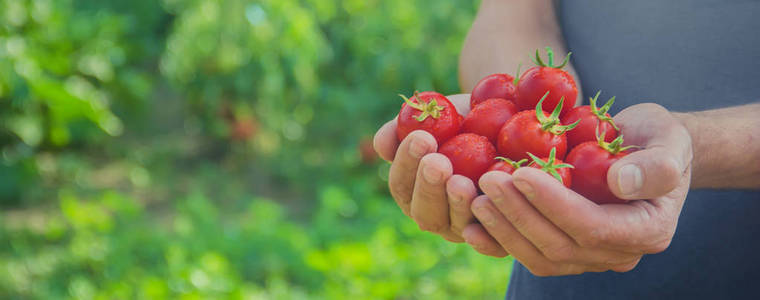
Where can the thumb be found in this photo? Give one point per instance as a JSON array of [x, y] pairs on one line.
[[647, 174], [657, 169]]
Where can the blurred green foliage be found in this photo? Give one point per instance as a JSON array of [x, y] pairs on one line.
[[218, 149]]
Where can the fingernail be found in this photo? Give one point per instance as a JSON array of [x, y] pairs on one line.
[[431, 175], [458, 199], [455, 199], [525, 188], [485, 217], [474, 246], [417, 148], [466, 237], [630, 179]]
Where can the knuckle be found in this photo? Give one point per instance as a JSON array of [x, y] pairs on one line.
[[399, 186], [620, 259], [518, 219], [561, 253], [401, 193], [491, 252], [508, 238], [659, 246], [540, 272], [573, 270], [452, 237], [606, 235], [434, 228], [626, 267], [457, 229], [623, 268], [652, 106], [589, 241], [543, 270], [598, 269]]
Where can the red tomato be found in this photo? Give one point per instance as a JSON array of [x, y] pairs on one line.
[[470, 154], [493, 86], [434, 114], [507, 165], [592, 160], [553, 166], [594, 121], [486, 118], [543, 78], [533, 131]]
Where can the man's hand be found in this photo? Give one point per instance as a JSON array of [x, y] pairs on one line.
[[422, 184], [554, 231]]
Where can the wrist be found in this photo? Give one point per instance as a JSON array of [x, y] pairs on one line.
[[690, 121], [725, 147]]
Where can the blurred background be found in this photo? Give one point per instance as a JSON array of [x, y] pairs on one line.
[[202, 149]]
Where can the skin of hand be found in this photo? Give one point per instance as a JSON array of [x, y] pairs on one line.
[[554, 231], [503, 34], [421, 182]]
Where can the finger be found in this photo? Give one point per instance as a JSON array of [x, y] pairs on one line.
[[479, 239], [575, 215], [403, 170], [645, 226], [647, 174], [451, 236], [547, 237], [629, 228], [460, 191], [657, 169], [461, 102], [627, 266], [430, 207], [544, 235], [515, 243], [386, 141]]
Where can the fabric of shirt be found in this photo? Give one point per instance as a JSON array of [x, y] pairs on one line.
[[686, 56]]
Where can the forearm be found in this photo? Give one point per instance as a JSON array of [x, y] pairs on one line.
[[726, 146], [504, 35]]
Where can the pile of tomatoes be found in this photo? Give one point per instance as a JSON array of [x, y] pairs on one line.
[[514, 120]]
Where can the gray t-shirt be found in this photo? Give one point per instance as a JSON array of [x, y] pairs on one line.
[[687, 56]]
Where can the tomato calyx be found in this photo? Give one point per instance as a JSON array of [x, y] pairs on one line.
[[515, 164], [613, 147], [430, 109], [552, 123], [550, 55], [601, 112], [548, 166], [517, 75]]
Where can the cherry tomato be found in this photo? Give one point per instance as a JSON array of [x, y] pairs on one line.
[[470, 154], [507, 165], [592, 160], [593, 121], [533, 131], [493, 86], [544, 78], [486, 118], [553, 166], [429, 111]]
